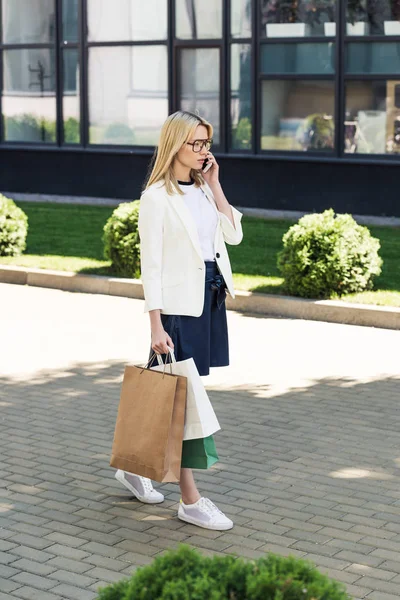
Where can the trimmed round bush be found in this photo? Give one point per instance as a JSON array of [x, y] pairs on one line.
[[119, 133], [184, 574], [327, 256], [13, 228], [121, 240]]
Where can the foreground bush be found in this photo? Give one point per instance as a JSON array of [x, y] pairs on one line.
[[186, 575], [121, 240], [13, 228], [325, 256]]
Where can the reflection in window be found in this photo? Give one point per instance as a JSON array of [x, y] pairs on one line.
[[200, 84], [380, 17], [241, 96], [303, 58], [240, 18], [70, 20], [297, 18], [297, 115], [372, 124], [127, 20], [29, 104], [71, 99], [196, 21], [128, 102], [28, 21]]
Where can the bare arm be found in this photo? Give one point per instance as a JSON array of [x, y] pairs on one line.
[[159, 337]]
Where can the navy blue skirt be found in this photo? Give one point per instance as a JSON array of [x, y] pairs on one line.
[[204, 338]]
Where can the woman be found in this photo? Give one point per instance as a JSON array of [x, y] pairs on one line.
[[184, 222]]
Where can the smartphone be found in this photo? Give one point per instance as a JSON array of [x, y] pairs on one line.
[[206, 166]]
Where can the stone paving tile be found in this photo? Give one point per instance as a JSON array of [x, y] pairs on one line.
[[307, 453]]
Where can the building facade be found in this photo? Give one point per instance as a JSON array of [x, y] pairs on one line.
[[304, 96]]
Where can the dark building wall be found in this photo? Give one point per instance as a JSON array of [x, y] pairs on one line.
[[281, 184]]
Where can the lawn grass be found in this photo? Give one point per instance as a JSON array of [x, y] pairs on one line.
[[67, 237]]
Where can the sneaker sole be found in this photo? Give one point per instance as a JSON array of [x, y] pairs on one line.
[[203, 526], [129, 487]]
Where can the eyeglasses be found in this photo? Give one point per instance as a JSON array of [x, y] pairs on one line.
[[198, 145]]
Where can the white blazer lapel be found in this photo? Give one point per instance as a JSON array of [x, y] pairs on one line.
[[184, 214]]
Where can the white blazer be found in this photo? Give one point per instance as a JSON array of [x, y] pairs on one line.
[[172, 265]]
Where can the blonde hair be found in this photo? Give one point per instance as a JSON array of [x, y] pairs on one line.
[[176, 131]]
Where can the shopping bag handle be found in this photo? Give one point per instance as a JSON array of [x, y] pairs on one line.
[[170, 354], [160, 361]]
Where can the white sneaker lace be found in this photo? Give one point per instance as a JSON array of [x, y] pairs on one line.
[[210, 508], [147, 485]]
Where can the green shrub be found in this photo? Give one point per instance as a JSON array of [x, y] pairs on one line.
[[29, 128], [186, 575], [71, 131], [242, 134], [118, 133], [326, 256], [13, 228], [121, 240]]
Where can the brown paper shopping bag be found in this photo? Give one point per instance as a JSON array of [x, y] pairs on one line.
[[150, 424]]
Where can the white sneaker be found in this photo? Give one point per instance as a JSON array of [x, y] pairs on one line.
[[205, 514], [141, 487]]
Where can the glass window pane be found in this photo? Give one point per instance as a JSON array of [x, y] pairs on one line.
[[29, 99], [240, 18], [28, 21], [241, 96], [377, 17], [298, 58], [71, 98], [375, 57], [297, 18], [127, 20], [197, 21], [298, 115], [372, 124], [128, 101], [200, 84], [70, 20]]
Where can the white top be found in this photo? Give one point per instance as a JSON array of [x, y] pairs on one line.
[[204, 215]]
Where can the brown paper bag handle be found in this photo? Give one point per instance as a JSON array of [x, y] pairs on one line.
[[151, 360]]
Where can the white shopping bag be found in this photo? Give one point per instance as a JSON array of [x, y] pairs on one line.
[[200, 420]]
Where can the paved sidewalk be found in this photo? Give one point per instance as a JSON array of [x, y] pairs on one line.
[[309, 448]]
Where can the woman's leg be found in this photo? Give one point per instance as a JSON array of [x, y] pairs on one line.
[[190, 493]]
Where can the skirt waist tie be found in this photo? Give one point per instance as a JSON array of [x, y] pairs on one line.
[[217, 283]]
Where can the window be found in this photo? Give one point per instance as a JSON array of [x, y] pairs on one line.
[[272, 76], [200, 84], [29, 73], [298, 76], [126, 20], [380, 17], [71, 96], [196, 20], [241, 18], [241, 101], [128, 102], [298, 115], [297, 18], [127, 71], [373, 57], [298, 58], [28, 21]]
